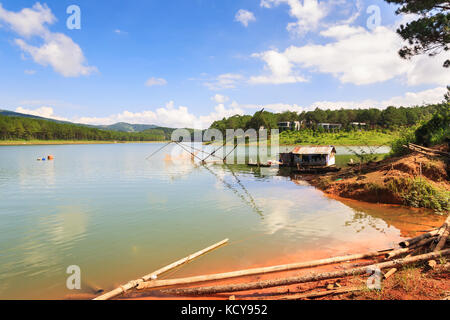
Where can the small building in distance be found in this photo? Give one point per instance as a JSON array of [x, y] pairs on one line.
[[289, 125], [358, 124], [309, 156]]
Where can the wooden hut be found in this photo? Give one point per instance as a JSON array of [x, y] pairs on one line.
[[310, 157]]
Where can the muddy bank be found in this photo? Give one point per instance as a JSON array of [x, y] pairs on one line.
[[415, 180]]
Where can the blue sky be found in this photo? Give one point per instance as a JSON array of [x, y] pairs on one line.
[[189, 62]]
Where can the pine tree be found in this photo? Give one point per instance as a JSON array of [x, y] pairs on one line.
[[430, 33]]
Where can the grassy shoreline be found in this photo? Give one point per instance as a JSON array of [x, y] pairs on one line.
[[66, 142]]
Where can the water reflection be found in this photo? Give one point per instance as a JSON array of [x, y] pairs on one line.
[[119, 216]]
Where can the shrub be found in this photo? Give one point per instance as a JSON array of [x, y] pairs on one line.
[[407, 136], [419, 193]]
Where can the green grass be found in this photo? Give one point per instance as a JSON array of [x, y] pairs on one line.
[[343, 160], [342, 138]]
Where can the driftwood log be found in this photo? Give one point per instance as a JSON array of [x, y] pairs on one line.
[[134, 283], [151, 285], [303, 279]]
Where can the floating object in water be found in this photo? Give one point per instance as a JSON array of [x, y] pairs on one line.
[[43, 159], [50, 157]]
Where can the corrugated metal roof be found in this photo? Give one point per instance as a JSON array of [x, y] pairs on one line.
[[314, 150]]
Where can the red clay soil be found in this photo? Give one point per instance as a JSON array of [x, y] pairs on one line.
[[368, 182], [409, 283]]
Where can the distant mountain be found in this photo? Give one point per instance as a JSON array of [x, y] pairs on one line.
[[128, 127], [120, 126], [23, 115]]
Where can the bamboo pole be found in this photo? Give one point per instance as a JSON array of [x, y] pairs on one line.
[[313, 294], [396, 253], [430, 150], [411, 248], [134, 283], [410, 242], [256, 271], [443, 238], [390, 273], [303, 279]]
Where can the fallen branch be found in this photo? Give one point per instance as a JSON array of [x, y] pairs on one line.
[[134, 283], [303, 279], [256, 271]]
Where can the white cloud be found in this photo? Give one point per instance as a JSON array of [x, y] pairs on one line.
[[45, 112], [167, 116], [223, 81], [409, 99], [358, 56], [244, 17], [30, 72], [280, 68], [220, 112], [28, 22], [308, 13], [341, 31], [58, 50], [155, 82], [220, 98]]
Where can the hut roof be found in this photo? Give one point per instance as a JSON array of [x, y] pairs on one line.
[[314, 150]]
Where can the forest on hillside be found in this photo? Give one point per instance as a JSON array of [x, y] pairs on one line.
[[389, 118], [20, 128]]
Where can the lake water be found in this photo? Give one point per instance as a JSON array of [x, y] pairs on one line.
[[118, 216]]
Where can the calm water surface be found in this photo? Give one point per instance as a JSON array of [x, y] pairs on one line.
[[119, 216]]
